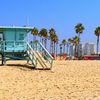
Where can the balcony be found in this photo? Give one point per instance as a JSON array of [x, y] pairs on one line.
[[13, 46]]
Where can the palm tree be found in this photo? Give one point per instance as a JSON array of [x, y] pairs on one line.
[[57, 48], [67, 46], [35, 32], [97, 33], [60, 45], [79, 28], [70, 42], [76, 41], [54, 38], [51, 33], [64, 44], [44, 34]]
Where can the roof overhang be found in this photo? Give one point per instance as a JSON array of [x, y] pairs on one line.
[[7, 28]]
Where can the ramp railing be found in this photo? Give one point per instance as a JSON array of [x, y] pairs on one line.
[[43, 53], [31, 55]]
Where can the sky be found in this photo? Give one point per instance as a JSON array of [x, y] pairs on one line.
[[62, 15]]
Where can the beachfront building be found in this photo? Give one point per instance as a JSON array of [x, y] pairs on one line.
[[71, 50], [88, 48], [14, 45], [83, 49], [92, 48]]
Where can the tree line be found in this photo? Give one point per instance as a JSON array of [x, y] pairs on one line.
[[51, 35]]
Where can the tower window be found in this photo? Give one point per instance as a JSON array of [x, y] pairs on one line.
[[21, 36]]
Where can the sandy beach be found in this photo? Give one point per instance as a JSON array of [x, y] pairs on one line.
[[68, 80]]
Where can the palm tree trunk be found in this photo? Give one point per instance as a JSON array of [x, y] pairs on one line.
[[56, 48], [45, 43], [60, 51], [78, 50], [67, 49], [34, 37], [79, 35], [97, 44], [51, 46], [64, 50], [42, 40], [75, 52]]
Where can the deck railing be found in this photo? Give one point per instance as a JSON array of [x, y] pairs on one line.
[[12, 46]]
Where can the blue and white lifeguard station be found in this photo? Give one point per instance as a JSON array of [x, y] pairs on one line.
[[14, 45]]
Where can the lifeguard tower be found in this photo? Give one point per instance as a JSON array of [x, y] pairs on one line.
[[14, 45]]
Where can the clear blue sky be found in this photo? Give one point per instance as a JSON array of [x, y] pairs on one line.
[[62, 15]]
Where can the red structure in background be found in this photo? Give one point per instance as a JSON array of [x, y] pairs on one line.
[[53, 55], [60, 57], [91, 57], [87, 57]]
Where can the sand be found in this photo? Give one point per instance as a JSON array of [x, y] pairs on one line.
[[68, 80]]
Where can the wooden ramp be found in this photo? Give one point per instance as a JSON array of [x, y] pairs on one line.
[[39, 59]]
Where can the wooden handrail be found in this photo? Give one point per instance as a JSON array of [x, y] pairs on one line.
[[37, 44]]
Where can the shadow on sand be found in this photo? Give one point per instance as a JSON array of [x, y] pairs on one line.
[[25, 67]]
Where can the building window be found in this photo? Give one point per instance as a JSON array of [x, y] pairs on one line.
[[21, 36]]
